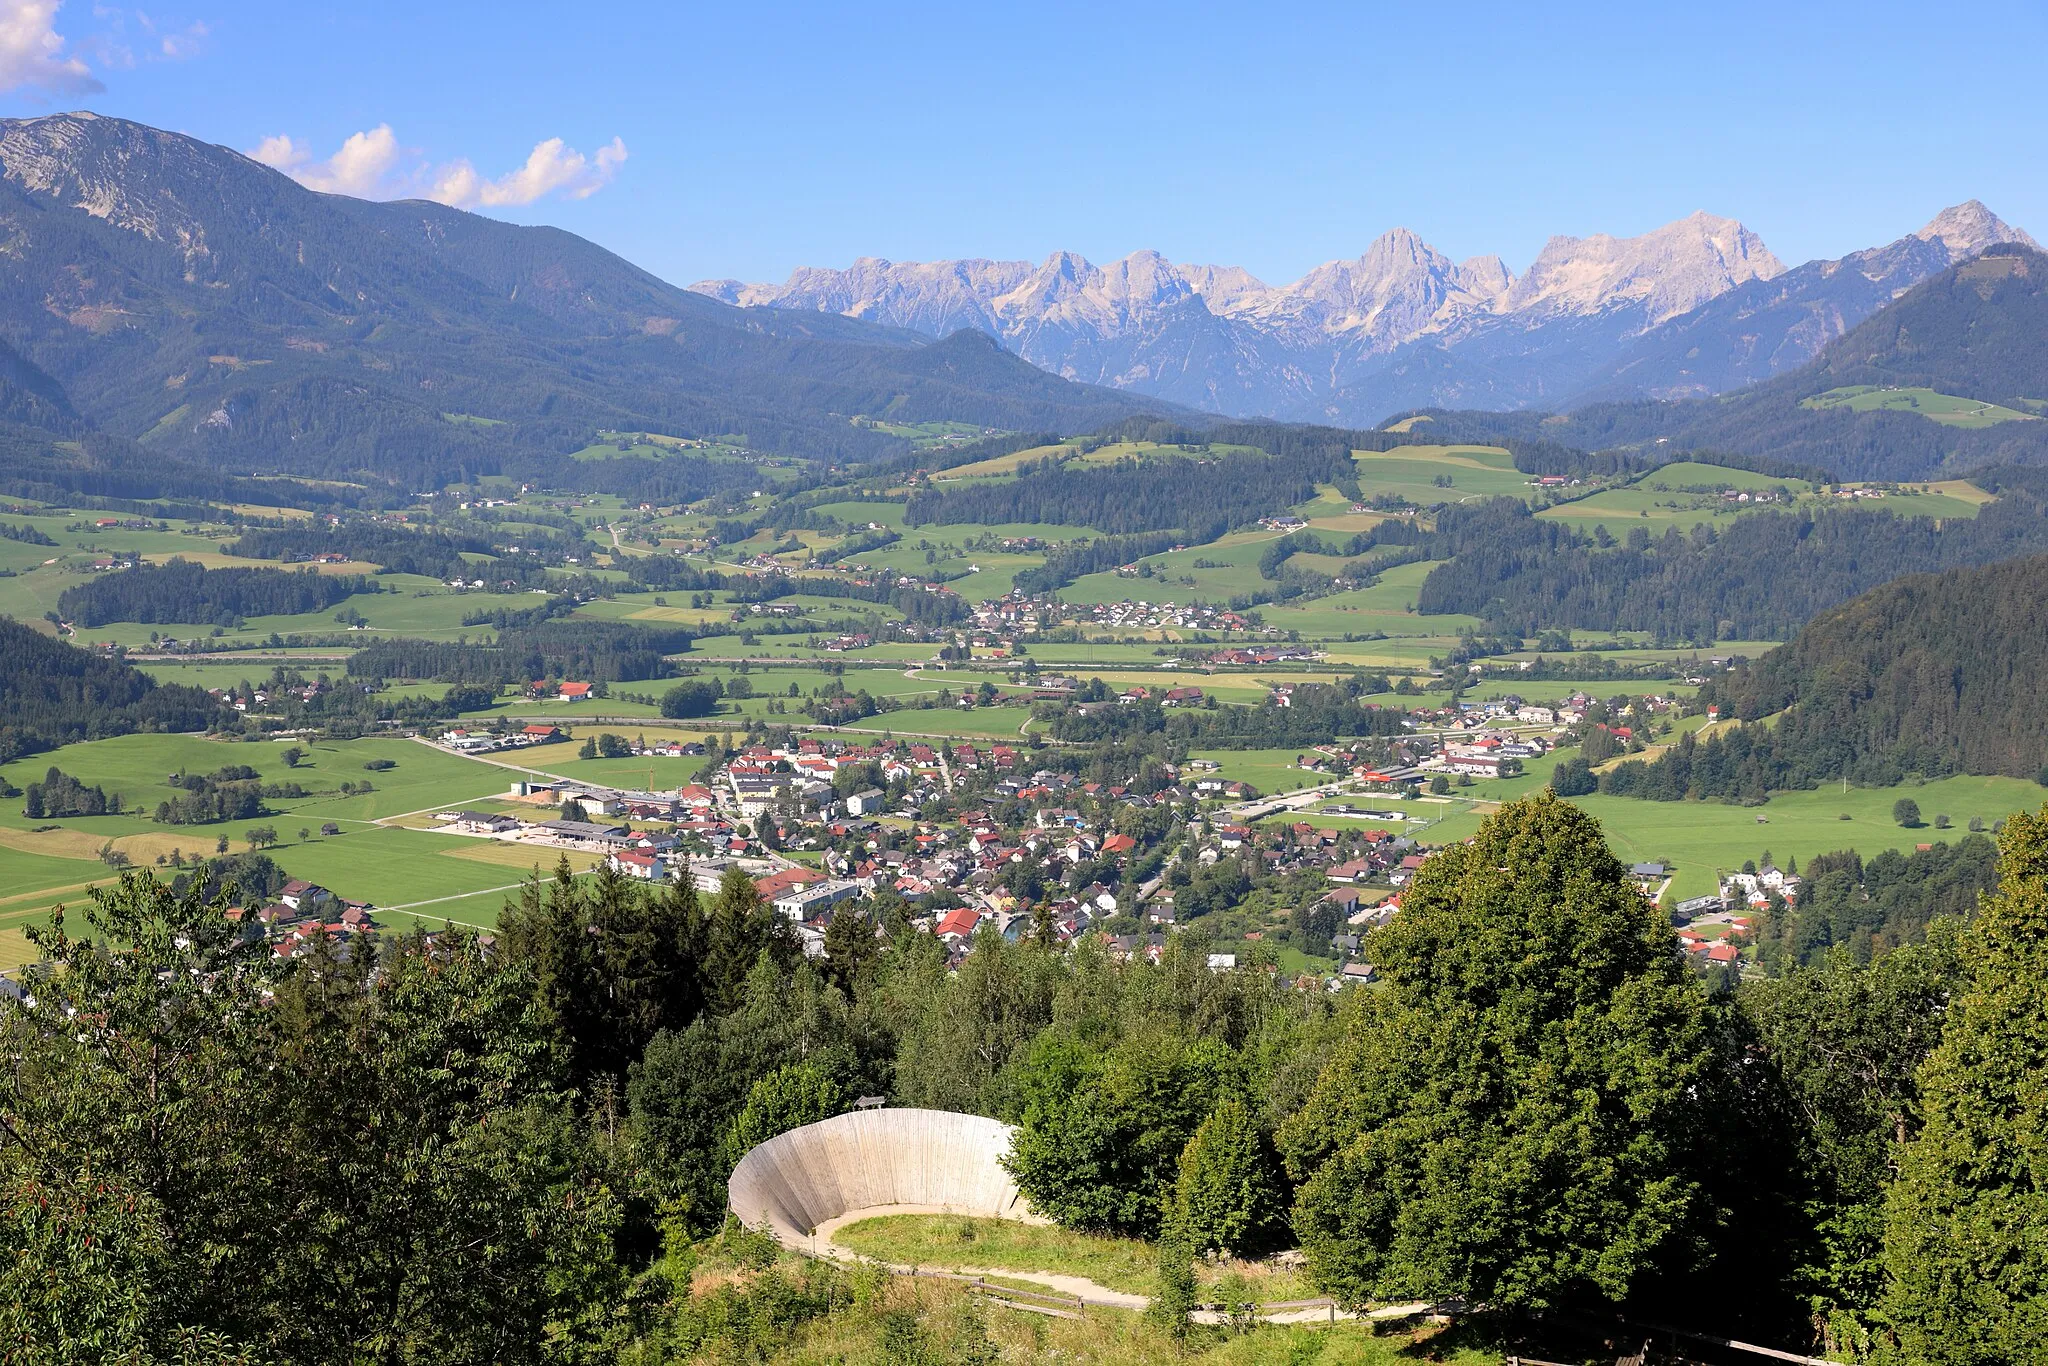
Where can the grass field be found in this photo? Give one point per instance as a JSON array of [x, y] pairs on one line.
[[1700, 838], [1269, 770], [1684, 474], [1216, 572], [1411, 472], [43, 861], [1621, 509], [982, 723], [1949, 410], [1387, 606], [1125, 1264], [1949, 498]]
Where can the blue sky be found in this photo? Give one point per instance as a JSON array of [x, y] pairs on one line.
[[744, 140]]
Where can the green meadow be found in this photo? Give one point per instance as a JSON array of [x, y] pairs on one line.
[[58, 858], [981, 723], [1951, 410], [1412, 472], [1702, 839]]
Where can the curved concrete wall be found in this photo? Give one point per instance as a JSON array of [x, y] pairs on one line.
[[796, 1181]]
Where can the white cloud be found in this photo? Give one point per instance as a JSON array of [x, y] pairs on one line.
[[367, 166], [32, 55], [361, 168], [113, 46], [553, 167], [186, 43]]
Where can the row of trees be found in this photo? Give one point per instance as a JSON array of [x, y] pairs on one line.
[[1317, 714], [605, 651], [182, 591]]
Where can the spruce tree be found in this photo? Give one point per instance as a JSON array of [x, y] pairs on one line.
[[1964, 1245]]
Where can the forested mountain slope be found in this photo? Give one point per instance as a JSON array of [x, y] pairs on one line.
[[1931, 674], [1761, 577], [212, 308], [52, 694]]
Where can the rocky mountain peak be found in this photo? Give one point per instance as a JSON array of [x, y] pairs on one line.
[[1667, 271], [1969, 227]]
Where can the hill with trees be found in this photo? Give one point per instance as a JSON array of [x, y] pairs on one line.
[[1763, 576], [52, 694], [1931, 674]]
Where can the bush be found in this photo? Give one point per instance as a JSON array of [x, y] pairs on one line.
[[1227, 1197], [1906, 812]]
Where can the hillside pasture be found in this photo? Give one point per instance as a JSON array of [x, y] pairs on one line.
[[1411, 472], [1950, 410]]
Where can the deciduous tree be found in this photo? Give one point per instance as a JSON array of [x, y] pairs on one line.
[[1512, 1117]]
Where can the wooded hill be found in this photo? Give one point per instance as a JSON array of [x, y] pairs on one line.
[[52, 694], [1931, 674], [1761, 577]]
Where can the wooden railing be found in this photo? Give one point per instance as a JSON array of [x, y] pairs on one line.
[[1052, 1302]]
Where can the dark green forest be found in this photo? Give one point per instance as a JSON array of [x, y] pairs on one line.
[[1929, 675], [54, 694], [1762, 577], [183, 592], [1202, 496]]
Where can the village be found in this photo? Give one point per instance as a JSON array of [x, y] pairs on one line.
[[958, 838]]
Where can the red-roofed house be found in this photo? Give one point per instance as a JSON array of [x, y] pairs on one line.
[[955, 926], [789, 879], [574, 692], [633, 863]]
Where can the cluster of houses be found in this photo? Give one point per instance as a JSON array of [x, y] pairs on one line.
[[1266, 654], [303, 913], [954, 870]]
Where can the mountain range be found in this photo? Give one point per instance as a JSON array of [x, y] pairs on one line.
[[180, 297], [1696, 307]]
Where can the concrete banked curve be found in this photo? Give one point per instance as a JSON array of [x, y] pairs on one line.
[[868, 1159]]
